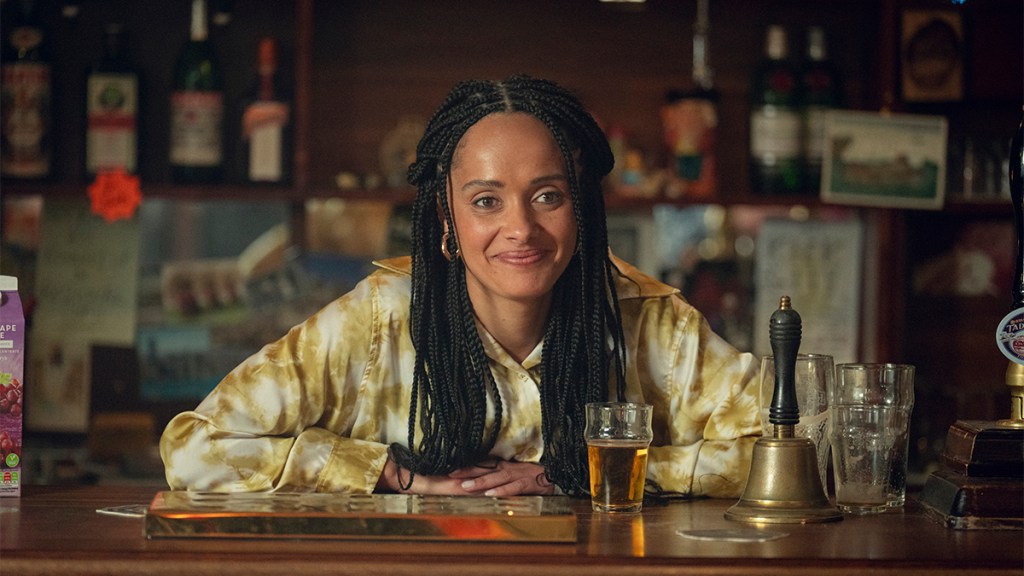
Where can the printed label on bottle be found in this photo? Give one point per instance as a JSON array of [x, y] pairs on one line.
[[25, 131], [814, 143], [774, 133], [196, 120], [263, 127], [111, 138]]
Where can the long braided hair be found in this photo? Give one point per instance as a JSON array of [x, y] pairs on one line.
[[452, 379]]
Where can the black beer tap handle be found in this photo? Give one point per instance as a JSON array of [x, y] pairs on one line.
[[1017, 199], [784, 329]]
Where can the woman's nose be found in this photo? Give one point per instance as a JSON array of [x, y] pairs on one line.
[[521, 222]]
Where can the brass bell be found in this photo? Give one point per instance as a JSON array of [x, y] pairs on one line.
[[784, 486]]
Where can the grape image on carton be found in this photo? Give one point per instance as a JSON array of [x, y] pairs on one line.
[[12, 374]]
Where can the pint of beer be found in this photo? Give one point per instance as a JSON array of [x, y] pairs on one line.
[[618, 435]]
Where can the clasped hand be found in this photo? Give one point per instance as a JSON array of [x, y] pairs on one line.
[[491, 478]]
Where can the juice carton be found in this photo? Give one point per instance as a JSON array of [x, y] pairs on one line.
[[12, 374]]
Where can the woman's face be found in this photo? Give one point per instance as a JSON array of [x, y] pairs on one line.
[[512, 209]]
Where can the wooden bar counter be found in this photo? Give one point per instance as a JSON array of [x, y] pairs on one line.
[[56, 531]]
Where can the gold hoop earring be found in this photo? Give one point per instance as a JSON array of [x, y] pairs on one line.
[[444, 247]]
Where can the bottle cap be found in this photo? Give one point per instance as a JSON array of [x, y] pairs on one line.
[[775, 43], [816, 49]]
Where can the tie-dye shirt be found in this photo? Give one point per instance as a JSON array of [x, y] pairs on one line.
[[317, 409]]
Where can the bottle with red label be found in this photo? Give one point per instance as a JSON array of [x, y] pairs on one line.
[[25, 86], [197, 108], [265, 124], [112, 109]]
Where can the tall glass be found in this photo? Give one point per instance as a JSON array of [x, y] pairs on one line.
[[815, 378], [870, 432], [618, 436]]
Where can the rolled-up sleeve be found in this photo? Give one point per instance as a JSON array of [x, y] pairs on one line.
[[283, 419], [704, 393]]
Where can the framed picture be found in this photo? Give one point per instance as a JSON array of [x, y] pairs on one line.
[[932, 56], [818, 263], [883, 159]]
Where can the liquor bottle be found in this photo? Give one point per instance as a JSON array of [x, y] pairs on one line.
[[197, 108], [820, 92], [265, 124], [112, 109], [25, 81], [689, 120], [775, 121]]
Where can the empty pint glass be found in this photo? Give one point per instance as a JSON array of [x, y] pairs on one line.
[[869, 426], [618, 435]]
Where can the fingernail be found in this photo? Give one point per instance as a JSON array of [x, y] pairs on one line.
[[468, 484], [489, 493]]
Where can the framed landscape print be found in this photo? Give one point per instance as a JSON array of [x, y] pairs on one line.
[[883, 159]]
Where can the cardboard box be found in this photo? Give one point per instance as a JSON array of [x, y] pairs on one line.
[[12, 375]]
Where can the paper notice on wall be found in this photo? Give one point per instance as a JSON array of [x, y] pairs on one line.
[[87, 272], [86, 293], [58, 393], [818, 265]]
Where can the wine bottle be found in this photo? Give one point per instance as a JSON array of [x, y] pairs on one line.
[[112, 109], [775, 120], [265, 129], [819, 90], [197, 108], [25, 83]]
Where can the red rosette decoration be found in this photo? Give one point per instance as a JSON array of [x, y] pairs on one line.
[[115, 195]]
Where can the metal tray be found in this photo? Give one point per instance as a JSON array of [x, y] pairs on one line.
[[182, 514]]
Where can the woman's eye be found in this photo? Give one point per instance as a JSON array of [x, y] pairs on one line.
[[485, 202], [550, 196]]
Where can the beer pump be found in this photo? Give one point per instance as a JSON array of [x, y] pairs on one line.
[[982, 483], [784, 486]]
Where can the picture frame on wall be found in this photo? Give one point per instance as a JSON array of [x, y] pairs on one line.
[[884, 159], [932, 56]]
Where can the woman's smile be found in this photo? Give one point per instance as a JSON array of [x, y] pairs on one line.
[[521, 258]]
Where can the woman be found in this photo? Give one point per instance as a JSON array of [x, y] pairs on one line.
[[465, 371]]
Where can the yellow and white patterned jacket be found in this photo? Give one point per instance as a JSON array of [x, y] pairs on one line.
[[317, 409]]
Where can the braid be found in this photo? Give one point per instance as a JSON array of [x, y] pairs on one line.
[[452, 383]]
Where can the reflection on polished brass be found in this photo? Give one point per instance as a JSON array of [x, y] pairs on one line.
[[784, 486], [1015, 381], [376, 516]]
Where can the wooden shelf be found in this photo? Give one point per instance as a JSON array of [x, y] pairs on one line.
[[194, 192]]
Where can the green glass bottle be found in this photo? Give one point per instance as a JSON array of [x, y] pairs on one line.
[[820, 92], [197, 108], [775, 121]]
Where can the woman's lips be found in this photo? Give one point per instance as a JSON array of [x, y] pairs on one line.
[[520, 257]]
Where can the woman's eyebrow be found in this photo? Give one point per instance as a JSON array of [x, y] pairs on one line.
[[549, 178], [480, 183], [483, 183]]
